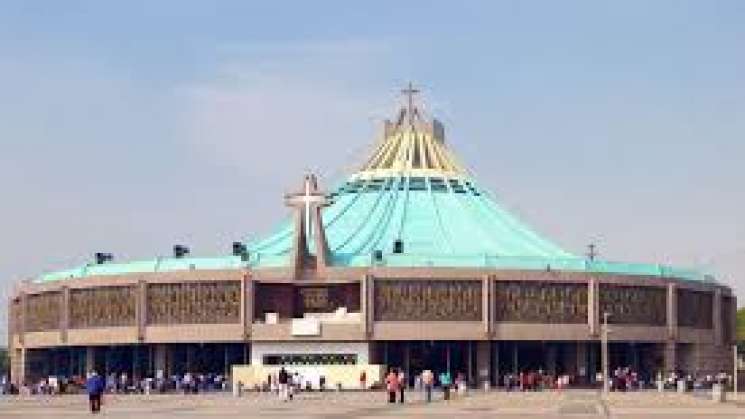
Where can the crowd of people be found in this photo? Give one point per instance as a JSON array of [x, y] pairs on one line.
[[121, 383]]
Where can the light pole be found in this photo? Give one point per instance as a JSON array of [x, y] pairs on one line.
[[734, 377], [604, 353]]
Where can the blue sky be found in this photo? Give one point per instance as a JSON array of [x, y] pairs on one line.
[[132, 126]]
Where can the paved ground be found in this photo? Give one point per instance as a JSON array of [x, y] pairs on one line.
[[570, 404]]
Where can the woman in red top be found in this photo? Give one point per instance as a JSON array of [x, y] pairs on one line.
[[391, 384]]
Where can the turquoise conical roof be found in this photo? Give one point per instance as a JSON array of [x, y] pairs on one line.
[[414, 190], [411, 189]]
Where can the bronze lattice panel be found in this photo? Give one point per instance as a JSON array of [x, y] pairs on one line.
[[633, 304], [427, 300], [103, 307], [43, 311], [540, 302], [695, 309], [194, 302]]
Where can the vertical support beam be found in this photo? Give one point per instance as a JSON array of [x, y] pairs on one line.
[[364, 305], [669, 356], [407, 363], [670, 349], [248, 295], [90, 360], [593, 306], [159, 363], [371, 305], [582, 370], [716, 317], [24, 317], [447, 356], [64, 314], [672, 311], [492, 302], [471, 376], [485, 306], [514, 358], [550, 357], [319, 233], [18, 366], [496, 367], [483, 362], [141, 309]]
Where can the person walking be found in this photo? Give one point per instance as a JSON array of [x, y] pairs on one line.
[[94, 386], [391, 384], [401, 385], [428, 379], [282, 378], [445, 382]]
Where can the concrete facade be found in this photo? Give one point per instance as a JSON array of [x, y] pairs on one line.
[[686, 348]]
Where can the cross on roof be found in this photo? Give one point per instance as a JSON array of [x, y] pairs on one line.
[[409, 91], [310, 197]]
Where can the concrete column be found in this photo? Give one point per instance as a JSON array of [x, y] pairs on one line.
[[141, 309], [160, 361], [492, 311], [90, 360], [364, 284], [371, 305], [469, 360], [64, 314], [496, 369], [515, 360], [670, 356], [550, 358], [669, 351], [407, 361], [18, 366], [582, 368], [593, 306], [189, 356], [483, 362], [24, 314], [485, 306], [447, 356], [716, 317], [672, 311], [248, 295]]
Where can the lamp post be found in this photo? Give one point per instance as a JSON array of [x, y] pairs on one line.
[[604, 353], [734, 377]]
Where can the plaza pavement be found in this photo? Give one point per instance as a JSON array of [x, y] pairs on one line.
[[478, 404]]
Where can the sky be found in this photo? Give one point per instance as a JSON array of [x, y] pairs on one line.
[[128, 127]]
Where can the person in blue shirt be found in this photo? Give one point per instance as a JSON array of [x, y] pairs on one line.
[[445, 382], [94, 387]]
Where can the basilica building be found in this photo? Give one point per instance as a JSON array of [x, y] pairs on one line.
[[409, 262]]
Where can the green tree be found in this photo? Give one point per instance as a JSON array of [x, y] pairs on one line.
[[741, 329]]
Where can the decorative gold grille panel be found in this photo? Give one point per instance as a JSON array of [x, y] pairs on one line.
[[103, 307], [194, 302], [633, 305], [540, 302], [426, 300], [43, 311]]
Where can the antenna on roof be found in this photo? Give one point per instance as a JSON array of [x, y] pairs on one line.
[[592, 251]]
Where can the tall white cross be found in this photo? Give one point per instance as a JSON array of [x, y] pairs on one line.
[[310, 197]]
